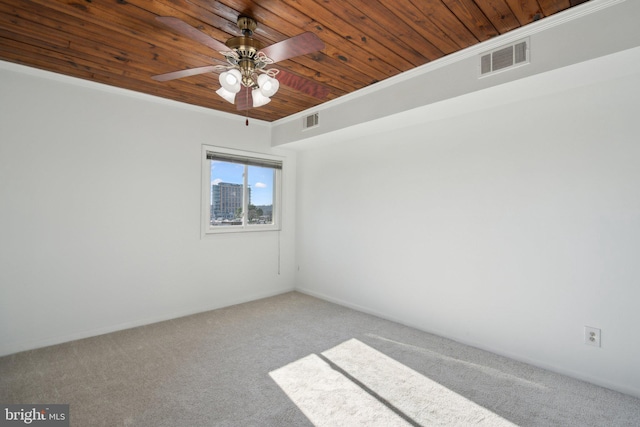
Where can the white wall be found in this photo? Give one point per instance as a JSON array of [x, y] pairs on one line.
[[509, 228], [100, 212]]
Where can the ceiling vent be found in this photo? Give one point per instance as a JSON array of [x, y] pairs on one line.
[[504, 58], [310, 121]]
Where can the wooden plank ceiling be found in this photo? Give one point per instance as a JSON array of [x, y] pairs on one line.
[[120, 42]]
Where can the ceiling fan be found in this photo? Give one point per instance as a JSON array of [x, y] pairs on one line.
[[246, 74]]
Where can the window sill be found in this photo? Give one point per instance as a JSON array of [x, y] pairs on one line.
[[232, 229]]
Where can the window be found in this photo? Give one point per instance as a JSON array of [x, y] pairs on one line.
[[241, 191]]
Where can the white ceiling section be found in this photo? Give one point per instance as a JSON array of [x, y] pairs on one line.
[[565, 52]]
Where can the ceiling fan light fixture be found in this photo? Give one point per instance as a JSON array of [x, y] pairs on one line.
[[258, 98], [247, 61], [228, 96], [230, 80], [268, 85]]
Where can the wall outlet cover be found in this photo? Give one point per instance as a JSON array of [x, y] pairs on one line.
[[592, 336]]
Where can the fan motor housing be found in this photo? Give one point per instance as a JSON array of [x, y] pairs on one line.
[[245, 46]]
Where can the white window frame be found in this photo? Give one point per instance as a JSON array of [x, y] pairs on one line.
[[207, 228]]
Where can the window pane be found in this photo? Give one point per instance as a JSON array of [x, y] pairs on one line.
[[261, 196], [226, 193]]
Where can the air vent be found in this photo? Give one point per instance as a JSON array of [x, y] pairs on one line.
[[310, 121], [504, 57]]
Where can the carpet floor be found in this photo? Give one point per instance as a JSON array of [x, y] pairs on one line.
[[294, 360]]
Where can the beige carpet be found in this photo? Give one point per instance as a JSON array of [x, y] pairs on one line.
[[293, 360]]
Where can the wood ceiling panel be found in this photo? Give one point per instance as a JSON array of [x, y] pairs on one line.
[[403, 55], [442, 17], [405, 35], [499, 14], [415, 19], [472, 17], [525, 11], [550, 7], [120, 42]]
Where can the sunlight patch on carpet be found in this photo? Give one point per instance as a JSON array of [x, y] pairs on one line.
[[375, 390], [328, 398], [420, 398]]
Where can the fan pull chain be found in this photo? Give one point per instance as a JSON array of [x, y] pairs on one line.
[[246, 123]]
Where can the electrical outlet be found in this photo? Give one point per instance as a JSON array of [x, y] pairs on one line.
[[592, 336]]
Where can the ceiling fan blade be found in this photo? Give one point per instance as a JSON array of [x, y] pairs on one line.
[[184, 73], [302, 84], [185, 29], [244, 99], [295, 46]]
